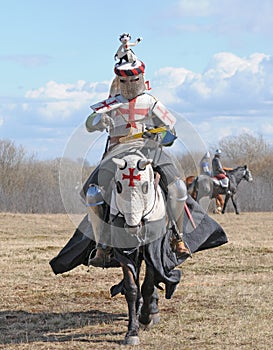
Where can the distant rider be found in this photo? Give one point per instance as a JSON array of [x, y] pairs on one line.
[[218, 171], [205, 165]]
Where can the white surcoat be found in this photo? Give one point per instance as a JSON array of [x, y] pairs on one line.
[[134, 116]]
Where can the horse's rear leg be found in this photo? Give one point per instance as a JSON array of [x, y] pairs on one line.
[[225, 203], [219, 203], [131, 295]]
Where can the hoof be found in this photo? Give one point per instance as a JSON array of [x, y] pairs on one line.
[[131, 340], [147, 326], [217, 210], [154, 319]]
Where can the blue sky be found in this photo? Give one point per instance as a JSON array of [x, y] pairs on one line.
[[210, 60]]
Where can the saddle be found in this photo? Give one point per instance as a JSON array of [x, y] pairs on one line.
[[221, 180]]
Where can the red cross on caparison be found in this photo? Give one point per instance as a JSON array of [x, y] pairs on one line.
[[131, 177]]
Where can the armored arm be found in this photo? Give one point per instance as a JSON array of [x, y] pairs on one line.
[[98, 122], [220, 168], [167, 119], [165, 116]]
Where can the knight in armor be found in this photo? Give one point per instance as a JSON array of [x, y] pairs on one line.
[[205, 165], [127, 112], [217, 170]]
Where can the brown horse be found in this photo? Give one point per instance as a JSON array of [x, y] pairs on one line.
[[219, 198]]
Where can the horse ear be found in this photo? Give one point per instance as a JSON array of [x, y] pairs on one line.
[[141, 165], [121, 163]]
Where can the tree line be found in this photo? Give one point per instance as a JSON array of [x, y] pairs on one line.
[[29, 185]]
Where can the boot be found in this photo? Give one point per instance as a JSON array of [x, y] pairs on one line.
[[101, 258], [181, 249]]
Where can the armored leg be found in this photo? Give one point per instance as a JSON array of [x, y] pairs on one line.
[[98, 213], [177, 194]]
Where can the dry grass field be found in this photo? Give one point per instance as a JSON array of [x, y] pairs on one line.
[[224, 300]]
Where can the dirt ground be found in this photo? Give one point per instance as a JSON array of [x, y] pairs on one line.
[[224, 300]]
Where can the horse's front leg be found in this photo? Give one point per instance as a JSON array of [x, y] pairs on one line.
[[149, 312], [139, 301], [131, 295], [225, 203], [234, 202]]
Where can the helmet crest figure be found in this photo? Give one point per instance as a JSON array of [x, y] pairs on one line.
[[124, 52]]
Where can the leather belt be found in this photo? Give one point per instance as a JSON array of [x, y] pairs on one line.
[[114, 140]]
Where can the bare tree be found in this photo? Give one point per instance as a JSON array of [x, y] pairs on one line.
[[11, 157], [244, 149]]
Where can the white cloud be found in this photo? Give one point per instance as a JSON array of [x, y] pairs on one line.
[[166, 81], [267, 128], [229, 83], [233, 95], [57, 100]]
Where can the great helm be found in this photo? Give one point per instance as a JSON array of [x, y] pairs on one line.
[[218, 152], [131, 78]]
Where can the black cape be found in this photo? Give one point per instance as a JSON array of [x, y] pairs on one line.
[[205, 233]]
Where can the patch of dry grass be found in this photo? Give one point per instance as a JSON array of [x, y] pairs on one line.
[[224, 300]]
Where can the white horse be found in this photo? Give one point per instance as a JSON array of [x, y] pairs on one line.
[[138, 203]]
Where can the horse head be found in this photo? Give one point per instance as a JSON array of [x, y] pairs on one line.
[[247, 174], [134, 191]]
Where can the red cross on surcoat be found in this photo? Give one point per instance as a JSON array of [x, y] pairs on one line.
[[132, 112], [131, 177], [164, 112], [107, 105]]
